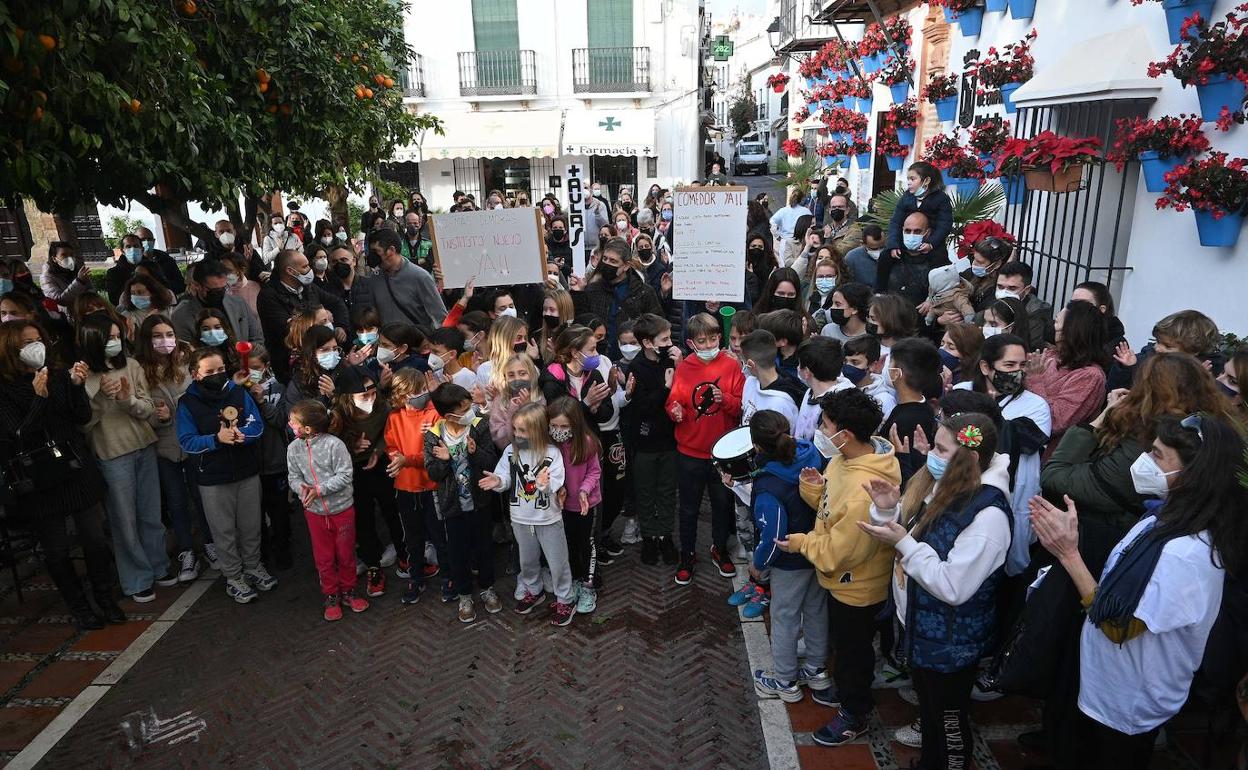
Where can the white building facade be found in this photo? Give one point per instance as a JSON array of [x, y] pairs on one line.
[[1091, 60], [527, 88]]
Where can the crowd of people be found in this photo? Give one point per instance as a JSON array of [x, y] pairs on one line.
[[935, 459]]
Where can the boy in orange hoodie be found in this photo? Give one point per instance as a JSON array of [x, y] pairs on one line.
[[704, 403], [411, 415]]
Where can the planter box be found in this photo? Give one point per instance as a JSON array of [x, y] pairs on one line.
[[895, 162], [1155, 168], [866, 105], [906, 136], [1022, 9], [971, 21], [900, 92], [1218, 233], [1177, 12], [996, 6], [1221, 91], [863, 161], [947, 108], [1067, 180]]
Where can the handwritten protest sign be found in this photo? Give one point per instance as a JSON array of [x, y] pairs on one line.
[[499, 247], [576, 216], [709, 259]]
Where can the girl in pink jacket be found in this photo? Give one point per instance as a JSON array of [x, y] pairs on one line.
[[582, 493]]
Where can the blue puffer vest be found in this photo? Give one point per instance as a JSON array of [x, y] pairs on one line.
[[801, 517], [942, 637], [224, 464]]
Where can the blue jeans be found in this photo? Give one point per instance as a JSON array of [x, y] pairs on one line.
[[175, 486], [134, 518]]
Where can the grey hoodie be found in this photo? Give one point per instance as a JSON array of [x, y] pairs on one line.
[[322, 462]]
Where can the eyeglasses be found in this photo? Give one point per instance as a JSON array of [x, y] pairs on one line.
[[1193, 422]]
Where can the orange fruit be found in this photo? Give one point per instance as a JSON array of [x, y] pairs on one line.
[[48, 42], [271, 109], [389, 82], [368, 93], [359, 92], [264, 86], [263, 76], [355, 58], [189, 7], [135, 106]]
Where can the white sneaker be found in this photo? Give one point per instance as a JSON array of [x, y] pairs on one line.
[[210, 556], [188, 567], [585, 599], [360, 567], [909, 695], [389, 556], [431, 554], [911, 735], [981, 692], [632, 531]]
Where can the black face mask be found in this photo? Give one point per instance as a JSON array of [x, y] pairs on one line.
[[608, 273], [837, 215], [214, 297], [627, 207], [783, 303], [837, 316], [373, 259], [601, 347], [644, 254], [520, 347], [341, 270], [558, 235], [551, 321], [412, 231], [214, 384], [1007, 383], [873, 329]]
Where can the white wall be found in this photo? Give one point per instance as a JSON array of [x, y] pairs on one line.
[[1171, 270]]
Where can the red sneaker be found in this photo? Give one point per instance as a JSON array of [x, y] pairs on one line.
[[332, 610], [430, 571], [376, 582], [353, 602], [684, 572], [723, 562], [403, 569]]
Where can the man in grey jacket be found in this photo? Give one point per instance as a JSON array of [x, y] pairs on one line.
[[401, 292], [207, 288]]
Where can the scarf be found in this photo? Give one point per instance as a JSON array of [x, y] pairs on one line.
[[1120, 590]]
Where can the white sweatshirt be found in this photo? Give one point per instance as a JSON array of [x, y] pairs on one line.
[[531, 504]]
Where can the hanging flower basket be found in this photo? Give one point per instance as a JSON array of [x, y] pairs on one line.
[[971, 21], [866, 105], [1022, 9], [900, 92], [1068, 179], [1160, 145], [778, 82], [1155, 167], [1214, 59], [906, 136], [895, 162], [1216, 189], [863, 161], [947, 109], [1053, 163], [1006, 71], [1218, 92], [793, 148], [1177, 12]]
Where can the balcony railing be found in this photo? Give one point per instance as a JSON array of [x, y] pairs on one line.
[[797, 32], [413, 78], [610, 70], [497, 73]]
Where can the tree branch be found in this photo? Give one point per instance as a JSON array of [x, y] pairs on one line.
[[174, 215]]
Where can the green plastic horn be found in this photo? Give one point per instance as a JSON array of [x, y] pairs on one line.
[[727, 312]]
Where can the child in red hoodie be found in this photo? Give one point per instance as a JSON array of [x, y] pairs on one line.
[[704, 403], [410, 416]]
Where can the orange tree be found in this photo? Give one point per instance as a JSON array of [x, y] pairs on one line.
[[216, 101]]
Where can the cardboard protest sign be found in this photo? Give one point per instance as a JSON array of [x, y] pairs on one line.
[[709, 259], [499, 247]]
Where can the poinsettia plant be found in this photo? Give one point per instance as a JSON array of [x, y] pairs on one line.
[[1009, 159], [988, 136], [777, 82], [1014, 65], [1047, 150], [841, 119], [900, 70], [1168, 136], [1213, 184], [793, 148], [904, 115], [1210, 49], [976, 231], [940, 87]]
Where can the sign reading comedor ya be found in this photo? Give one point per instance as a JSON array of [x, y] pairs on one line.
[[709, 259]]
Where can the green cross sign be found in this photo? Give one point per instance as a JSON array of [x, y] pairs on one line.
[[721, 48], [610, 123]]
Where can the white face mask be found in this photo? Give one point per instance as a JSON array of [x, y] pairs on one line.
[[255, 375], [327, 239], [1006, 294], [384, 355], [1148, 479], [279, 227], [826, 446], [305, 279], [66, 262], [320, 264], [436, 363], [112, 348], [365, 405], [991, 331], [33, 355], [509, 312], [707, 355], [874, 253], [226, 239], [629, 351]]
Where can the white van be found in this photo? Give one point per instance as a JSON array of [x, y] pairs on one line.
[[750, 156]]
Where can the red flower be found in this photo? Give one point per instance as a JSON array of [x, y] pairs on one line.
[[1017, 66], [1166, 136], [940, 87], [978, 230], [793, 148], [1211, 184]]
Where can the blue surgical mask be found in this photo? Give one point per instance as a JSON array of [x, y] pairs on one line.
[[919, 193], [212, 336], [140, 302], [134, 254], [6, 286], [936, 465], [667, 216], [979, 272], [825, 285], [328, 360], [912, 241], [853, 373], [589, 363], [368, 338]]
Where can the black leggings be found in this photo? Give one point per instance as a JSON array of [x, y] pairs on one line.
[[943, 703], [615, 486], [582, 553], [374, 489]]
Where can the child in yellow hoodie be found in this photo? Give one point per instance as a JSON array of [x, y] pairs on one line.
[[853, 566]]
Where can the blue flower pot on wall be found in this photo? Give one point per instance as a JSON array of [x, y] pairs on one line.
[[971, 21], [1221, 91], [840, 136], [900, 92], [842, 161], [987, 162], [863, 160], [996, 6], [1015, 189], [1156, 167], [1007, 97], [829, 160], [950, 16], [906, 136], [895, 162], [964, 187], [1022, 9], [1177, 12], [1222, 232], [947, 108]]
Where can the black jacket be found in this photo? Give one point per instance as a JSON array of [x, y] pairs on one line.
[[276, 304], [907, 276], [939, 210], [598, 298], [554, 384], [116, 277], [443, 471], [647, 428]]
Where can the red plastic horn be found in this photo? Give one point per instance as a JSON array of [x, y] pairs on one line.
[[242, 347]]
